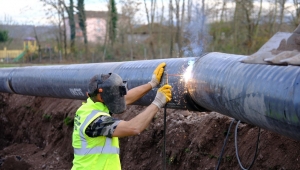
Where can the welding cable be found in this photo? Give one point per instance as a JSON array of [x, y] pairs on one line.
[[165, 128], [225, 141], [236, 147]]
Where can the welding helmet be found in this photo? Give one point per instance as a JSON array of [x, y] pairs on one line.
[[112, 90]]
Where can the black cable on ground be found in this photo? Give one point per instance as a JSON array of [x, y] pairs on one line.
[[225, 141], [236, 147], [165, 128]]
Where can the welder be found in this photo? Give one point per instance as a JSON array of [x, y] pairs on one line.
[[95, 134]]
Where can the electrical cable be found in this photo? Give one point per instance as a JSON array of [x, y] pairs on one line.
[[165, 128], [236, 147], [166, 81], [225, 141]]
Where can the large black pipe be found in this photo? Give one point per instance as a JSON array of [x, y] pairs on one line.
[[267, 96], [70, 81], [262, 95]]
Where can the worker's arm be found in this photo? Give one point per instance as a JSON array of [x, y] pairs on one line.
[[138, 92], [137, 124], [140, 122]]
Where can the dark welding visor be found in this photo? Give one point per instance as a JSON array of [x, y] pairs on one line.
[[123, 89]]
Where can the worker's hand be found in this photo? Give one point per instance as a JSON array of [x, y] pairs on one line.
[[163, 96], [157, 74]]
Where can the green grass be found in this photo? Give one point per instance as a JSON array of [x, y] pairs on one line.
[[68, 121], [47, 117], [6, 65], [2, 65]]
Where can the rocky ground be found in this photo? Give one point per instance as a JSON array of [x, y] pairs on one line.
[[36, 134]]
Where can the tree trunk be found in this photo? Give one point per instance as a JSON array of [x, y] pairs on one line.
[[282, 7], [182, 13], [150, 19], [60, 22], [105, 39], [82, 21], [70, 12], [112, 22], [273, 19], [59, 6], [178, 29], [171, 28], [64, 34], [223, 11], [160, 29], [189, 12]]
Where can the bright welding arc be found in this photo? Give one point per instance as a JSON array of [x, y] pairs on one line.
[[188, 72]]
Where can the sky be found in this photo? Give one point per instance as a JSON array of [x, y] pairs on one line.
[[33, 12]]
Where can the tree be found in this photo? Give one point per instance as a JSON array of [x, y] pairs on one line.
[[57, 10], [82, 19], [178, 27], [70, 12], [113, 19], [281, 13], [244, 11], [272, 17], [4, 36], [63, 31], [189, 10], [7, 20], [161, 23], [129, 10], [150, 19], [296, 16], [171, 27]]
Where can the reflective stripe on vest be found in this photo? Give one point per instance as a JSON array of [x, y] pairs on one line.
[[106, 149]]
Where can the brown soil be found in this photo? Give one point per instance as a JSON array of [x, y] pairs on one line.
[[36, 134]]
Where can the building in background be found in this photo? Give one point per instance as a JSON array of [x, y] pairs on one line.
[[96, 26], [27, 38]]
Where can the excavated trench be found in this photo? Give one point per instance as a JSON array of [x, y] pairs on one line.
[[35, 134]]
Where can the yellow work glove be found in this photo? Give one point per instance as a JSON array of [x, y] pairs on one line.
[[157, 74], [163, 96]]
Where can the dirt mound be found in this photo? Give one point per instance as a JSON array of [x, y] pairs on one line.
[[36, 133]]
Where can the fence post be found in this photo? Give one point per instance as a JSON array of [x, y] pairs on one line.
[[177, 49], [50, 56], [5, 52], [145, 53], [60, 56], [40, 56]]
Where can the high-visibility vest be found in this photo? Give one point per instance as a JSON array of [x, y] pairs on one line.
[[101, 153]]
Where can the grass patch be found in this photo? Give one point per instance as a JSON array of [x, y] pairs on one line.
[[47, 117], [68, 121], [228, 158], [9, 65]]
